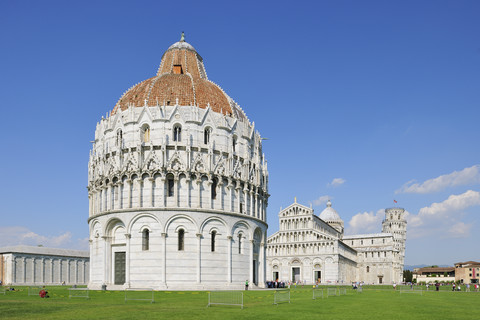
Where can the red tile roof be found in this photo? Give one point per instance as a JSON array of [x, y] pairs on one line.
[[190, 88]]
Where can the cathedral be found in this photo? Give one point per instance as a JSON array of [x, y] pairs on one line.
[[313, 249], [177, 185]]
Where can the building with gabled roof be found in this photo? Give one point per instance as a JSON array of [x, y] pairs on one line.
[[30, 265]]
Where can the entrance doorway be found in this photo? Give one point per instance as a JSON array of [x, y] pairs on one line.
[[296, 274], [380, 280], [275, 276], [254, 272], [318, 276], [119, 268]]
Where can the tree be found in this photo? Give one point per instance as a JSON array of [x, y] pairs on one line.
[[407, 275]]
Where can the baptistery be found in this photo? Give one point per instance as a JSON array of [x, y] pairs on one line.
[[177, 185]]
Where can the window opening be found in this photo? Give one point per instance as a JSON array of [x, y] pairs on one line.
[[181, 239], [206, 135], [146, 134], [177, 133], [170, 186], [145, 240], [368, 269], [177, 69], [212, 244], [239, 243], [234, 143], [214, 189], [119, 138]]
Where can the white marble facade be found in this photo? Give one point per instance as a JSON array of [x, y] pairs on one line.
[[313, 249], [27, 265], [177, 191]]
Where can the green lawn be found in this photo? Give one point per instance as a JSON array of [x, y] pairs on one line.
[[376, 302]]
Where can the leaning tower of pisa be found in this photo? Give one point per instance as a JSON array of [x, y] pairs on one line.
[[396, 224]]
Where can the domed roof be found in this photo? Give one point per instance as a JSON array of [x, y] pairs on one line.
[[181, 79], [329, 214]]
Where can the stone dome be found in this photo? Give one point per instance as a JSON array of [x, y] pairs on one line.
[[329, 214], [181, 79]]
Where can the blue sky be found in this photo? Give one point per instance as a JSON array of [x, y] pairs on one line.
[[363, 102]]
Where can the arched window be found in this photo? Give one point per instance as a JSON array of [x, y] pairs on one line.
[[119, 141], [177, 133], [145, 240], [212, 242], [181, 240], [206, 135], [368, 269], [170, 186], [214, 188], [234, 143], [239, 243], [146, 133]]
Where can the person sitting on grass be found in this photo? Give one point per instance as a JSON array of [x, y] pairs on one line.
[[43, 293]]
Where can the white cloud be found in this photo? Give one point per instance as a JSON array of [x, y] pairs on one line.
[[448, 209], [459, 230], [336, 182], [443, 218], [321, 200], [366, 222], [468, 176], [17, 235]]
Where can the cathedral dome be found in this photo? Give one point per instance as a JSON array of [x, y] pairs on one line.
[[181, 79], [329, 214]]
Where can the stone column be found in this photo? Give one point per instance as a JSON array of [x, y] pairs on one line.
[[33, 270], [60, 273], [176, 189], [199, 197], [129, 193], [140, 192], [152, 191], [52, 277], [105, 260], [220, 187], [76, 271], [250, 263], [263, 265], [84, 272], [127, 260], [239, 198], [164, 192], [189, 191], [245, 192], [230, 192], [69, 276], [257, 213], [90, 203], [210, 184], [199, 257], [121, 188], [252, 212], [43, 270], [229, 259], [112, 196], [164, 271]]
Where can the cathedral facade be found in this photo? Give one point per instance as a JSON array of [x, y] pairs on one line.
[[313, 249], [177, 185]]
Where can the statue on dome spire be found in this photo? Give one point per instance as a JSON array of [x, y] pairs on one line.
[[182, 39]]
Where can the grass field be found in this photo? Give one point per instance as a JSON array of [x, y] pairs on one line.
[[376, 302]]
